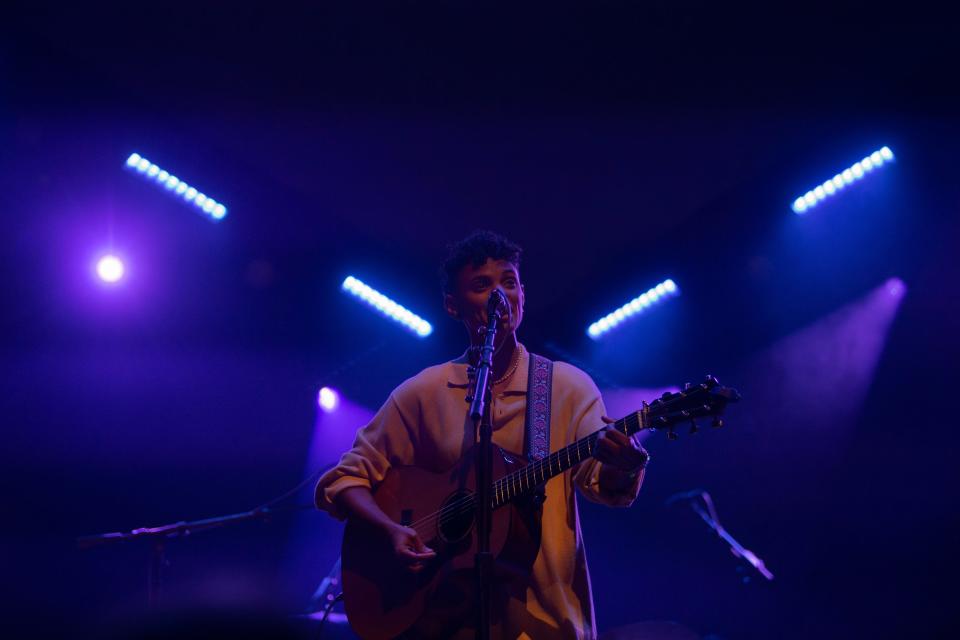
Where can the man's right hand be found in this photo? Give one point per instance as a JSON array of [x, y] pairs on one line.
[[358, 502], [409, 548]]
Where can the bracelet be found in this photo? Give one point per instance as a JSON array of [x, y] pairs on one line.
[[643, 465]]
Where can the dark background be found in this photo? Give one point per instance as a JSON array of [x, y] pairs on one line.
[[619, 145]]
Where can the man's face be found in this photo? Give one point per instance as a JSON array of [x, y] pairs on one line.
[[468, 303]]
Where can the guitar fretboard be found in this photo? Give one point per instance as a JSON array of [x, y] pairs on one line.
[[524, 481]]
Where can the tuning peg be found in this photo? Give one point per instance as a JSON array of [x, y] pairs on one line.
[[717, 422], [671, 435], [687, 386], [711, 381]]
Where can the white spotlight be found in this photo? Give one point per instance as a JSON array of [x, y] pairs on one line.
[[110, 268], [328, 399]]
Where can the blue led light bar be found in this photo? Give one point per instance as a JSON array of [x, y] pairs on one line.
[[387, 307], [209, 206], [840, 181], [655, 295]]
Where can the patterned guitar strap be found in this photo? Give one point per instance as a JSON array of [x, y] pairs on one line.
[[539, 390]]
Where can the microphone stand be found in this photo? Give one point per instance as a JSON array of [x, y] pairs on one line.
[[480, 414], [158, 537], [713, 522]]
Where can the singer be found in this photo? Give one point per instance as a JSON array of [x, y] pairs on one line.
[[424, 423]]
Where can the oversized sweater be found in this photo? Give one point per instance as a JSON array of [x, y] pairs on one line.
[[424, 423]]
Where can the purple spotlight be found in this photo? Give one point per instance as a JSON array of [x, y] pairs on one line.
[[110, 268], [328, 399], [896, 287]]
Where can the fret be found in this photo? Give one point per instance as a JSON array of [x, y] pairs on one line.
[[536, 473]]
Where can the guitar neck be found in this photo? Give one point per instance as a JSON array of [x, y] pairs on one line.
[[524, 481]]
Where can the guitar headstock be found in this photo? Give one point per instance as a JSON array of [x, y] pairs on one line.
[[707, 399]]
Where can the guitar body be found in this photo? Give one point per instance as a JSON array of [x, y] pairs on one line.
[[384, 599]]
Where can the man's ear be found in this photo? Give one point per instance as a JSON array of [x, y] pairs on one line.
[[450, 304]]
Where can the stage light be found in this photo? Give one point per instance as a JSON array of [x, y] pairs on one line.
[[896, 287], [328, 399], [110, 268], [666, 289], [137, 163], [840, 181], [387, 307]]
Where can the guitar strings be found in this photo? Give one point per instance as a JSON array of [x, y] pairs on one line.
[[462, 505], [458, 507], [468, 501]]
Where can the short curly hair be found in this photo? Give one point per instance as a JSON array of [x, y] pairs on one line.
[[476, 249]]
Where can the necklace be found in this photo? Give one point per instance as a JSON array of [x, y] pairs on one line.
[[513, 366]]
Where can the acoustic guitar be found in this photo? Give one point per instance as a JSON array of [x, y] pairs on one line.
[[384, 599]]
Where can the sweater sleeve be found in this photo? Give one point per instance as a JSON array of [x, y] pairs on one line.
[[388, 440], [587, 419]]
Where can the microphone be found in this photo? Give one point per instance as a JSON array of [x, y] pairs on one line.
[[497, 304], [685, 495]]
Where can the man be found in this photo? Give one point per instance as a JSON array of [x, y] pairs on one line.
[[423, 424]]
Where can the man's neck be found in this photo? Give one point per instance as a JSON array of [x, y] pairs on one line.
[[502, 356]]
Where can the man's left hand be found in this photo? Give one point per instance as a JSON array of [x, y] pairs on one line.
[[618, 450]]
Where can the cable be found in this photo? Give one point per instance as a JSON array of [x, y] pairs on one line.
[[308, 480], [326, 612]]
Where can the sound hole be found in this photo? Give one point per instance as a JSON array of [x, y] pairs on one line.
[[456, 518]]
